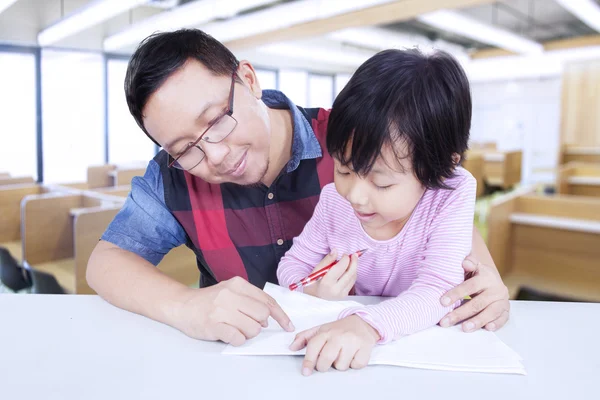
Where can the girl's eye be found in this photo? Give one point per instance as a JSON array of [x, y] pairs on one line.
[[383, 187], [342, 172]]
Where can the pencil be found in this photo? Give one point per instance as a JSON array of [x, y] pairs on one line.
[[315, 276]]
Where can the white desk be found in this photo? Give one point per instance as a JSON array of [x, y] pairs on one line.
[[79, 347]]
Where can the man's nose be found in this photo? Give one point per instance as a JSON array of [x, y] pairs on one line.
[[215, 153]]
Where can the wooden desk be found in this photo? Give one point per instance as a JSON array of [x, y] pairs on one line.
[[581, 179], [16, 180], [74, 347], [547, 242], [586, 154]]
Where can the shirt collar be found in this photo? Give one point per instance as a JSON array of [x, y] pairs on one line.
[[305, 144]]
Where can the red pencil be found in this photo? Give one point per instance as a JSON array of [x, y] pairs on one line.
[[315, 276]]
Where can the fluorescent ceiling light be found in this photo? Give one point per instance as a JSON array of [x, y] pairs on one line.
[[320, 53], [285, 15], [380, 39], [548, 64], [468, 27], [187, 15], [86, 17], [586, 10], [4, 4]]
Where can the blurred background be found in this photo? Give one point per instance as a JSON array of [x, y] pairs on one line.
[[70, 147]]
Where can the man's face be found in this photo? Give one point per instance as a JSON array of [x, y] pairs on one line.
[[190, 100]]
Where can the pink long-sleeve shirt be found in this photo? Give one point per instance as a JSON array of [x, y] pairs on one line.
[[415, 268]]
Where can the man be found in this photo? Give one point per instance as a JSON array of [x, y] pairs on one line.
[[239, 176]]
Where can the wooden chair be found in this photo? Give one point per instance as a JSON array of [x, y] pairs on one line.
[[48, 234], [60, 231], [123, 176], [581, 179], [10, 204], [501, 168], [547, 243]]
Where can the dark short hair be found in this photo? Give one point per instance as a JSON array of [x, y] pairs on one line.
[[162, 54], [404, 95]]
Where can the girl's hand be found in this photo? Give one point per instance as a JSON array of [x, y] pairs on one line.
[[339, 281], [346, 343]]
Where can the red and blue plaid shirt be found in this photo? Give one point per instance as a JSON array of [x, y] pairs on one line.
[[233, 230]]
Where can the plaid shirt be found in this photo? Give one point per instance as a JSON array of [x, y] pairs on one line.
[[233, 230]]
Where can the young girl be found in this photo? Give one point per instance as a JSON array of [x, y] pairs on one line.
[[397, 132]]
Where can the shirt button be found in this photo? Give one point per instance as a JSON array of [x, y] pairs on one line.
[[279, 242], [270, 196]]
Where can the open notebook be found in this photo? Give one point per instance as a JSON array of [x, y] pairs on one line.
[[434, 348]]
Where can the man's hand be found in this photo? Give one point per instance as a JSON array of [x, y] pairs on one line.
[[346, 343], [489, 306], [339, 281], [231, 311]]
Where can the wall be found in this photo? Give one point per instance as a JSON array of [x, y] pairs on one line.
[[581, 104], [521, 114]]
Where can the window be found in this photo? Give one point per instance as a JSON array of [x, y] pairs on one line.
[[72, 114], [320, 90], [127, 143], [340, 81], [18, 152], [294, 85], [267, 78]]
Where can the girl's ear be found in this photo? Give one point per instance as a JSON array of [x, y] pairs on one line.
[[455, 158]]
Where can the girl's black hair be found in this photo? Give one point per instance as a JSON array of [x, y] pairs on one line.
[[404, 96]]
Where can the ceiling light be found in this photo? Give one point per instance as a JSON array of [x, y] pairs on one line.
[[285, 15], [586, 10], [187, 15], [468, 27], [86, 17], [4, 4]]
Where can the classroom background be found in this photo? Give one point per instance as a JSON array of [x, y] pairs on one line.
[[70, 147]]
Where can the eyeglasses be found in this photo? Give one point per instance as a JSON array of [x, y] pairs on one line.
[[193, 155]]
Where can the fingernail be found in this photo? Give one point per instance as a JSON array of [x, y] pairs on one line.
[[468, 263], [446, 301], [491, 326], [291, 326], [305, 371], [469, 326], [445, 322]]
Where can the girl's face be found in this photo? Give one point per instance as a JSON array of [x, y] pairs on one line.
[[384, 199]]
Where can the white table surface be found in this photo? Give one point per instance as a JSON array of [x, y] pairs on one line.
[[80, 347]]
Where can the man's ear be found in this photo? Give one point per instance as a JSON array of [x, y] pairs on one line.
[[247, 74]]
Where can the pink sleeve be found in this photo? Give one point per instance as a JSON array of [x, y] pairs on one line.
[[448, 243], [309, 248]]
